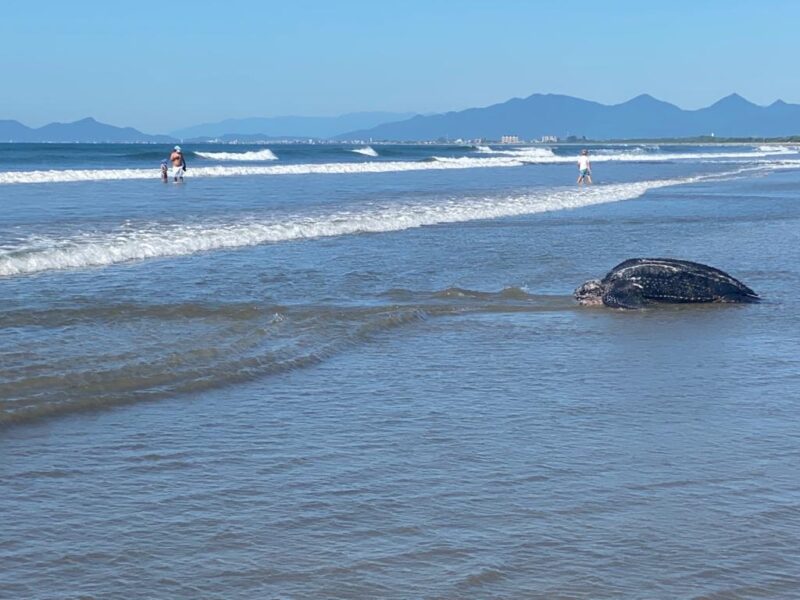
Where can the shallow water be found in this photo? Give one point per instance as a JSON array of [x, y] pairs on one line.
[[395, 395]]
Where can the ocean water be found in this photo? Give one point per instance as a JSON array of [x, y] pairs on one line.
[[336, 371]]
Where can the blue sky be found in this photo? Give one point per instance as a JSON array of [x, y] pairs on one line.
[[161, 66]]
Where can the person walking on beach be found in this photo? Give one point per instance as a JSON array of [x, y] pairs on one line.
[[584, 168], [178, 164]]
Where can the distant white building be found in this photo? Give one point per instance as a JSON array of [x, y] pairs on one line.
[[549, 139], [509, 139]]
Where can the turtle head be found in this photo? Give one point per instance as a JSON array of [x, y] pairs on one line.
[[590, 292]]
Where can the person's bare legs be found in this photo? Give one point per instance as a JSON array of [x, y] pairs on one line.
[[588, 179]]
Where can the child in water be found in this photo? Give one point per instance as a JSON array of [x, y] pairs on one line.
[[164, 169]]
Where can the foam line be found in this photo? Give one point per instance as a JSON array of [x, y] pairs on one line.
[[62, 176], [636, 154], [510, 158], [96, 250], [254, 155]]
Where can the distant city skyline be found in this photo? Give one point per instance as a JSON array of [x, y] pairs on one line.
[[159, 68]]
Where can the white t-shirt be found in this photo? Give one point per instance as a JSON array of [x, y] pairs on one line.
[[583, 163]]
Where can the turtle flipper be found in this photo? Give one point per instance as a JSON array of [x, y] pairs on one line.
[[739, 298], [624, 294]]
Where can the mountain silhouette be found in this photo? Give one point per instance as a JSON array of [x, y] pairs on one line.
[[86, 130], [554, 114], [528, 118]]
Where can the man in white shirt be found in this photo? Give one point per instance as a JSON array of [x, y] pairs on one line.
[[584, 168]]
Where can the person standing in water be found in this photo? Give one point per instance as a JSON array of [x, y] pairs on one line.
[[584, 168], [178, 163]]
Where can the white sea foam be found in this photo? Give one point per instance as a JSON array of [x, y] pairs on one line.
[[527, 152], [638, 150], [60, 176], [366, 151], [94, 250], [509, 158], [776, 149], [470, 162], [632, 154], [253, 155]]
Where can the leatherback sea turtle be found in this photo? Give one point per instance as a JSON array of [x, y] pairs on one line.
[[641, 281]]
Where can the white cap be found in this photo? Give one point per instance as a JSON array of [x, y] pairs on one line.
[[178, 148]]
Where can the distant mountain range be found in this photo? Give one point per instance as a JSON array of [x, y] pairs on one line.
[[643, 117], [552, 114], [289, 127], [243, 130], [86, 130]]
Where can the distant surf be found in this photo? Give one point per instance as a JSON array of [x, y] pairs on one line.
[[366, 151], [624, 153], [531, 151], [253, 155], [496, 159]]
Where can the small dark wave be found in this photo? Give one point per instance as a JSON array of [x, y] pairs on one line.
[[98, 390], [260, 345], [457, 298], [237, 343], [106, 313], [511, 293], [484, 577]]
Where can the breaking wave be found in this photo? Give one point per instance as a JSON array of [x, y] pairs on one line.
[[39, 254], [253, 155], [495, 158], [643, 153], [777, 149], [366, 151], [527, 152], [62, 176]]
